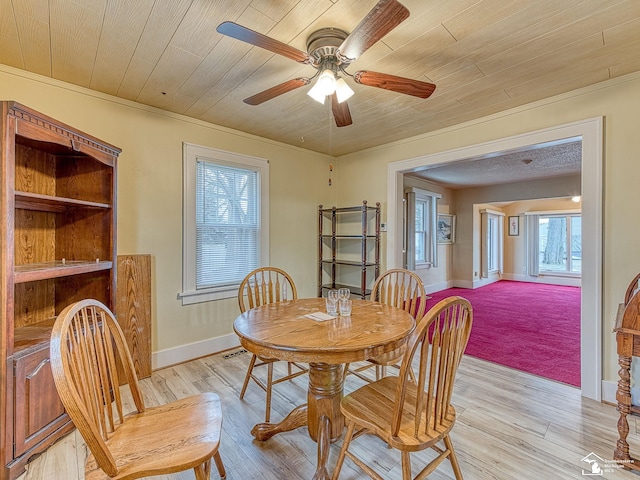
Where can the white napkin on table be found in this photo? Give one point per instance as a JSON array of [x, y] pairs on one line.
[[319, 316]]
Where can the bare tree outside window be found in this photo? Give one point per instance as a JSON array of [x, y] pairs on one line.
[[560, 243], [555, 252]]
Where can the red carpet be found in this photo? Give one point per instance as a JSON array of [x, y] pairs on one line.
[[531, 327]]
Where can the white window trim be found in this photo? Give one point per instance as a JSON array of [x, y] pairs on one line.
[[484, 243], [190, 155], [531, 239], [412, 194], [531, 244]]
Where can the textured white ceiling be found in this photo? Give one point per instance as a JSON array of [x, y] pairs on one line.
[[534, 163]]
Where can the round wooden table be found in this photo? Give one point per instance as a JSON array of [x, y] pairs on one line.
[[282, 331]]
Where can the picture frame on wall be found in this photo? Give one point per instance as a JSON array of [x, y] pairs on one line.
[[446, 231], [514, 226]]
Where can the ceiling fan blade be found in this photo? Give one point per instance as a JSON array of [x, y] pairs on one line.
[[247, 35], [404, 85], [341, 113], [273, 92], [384, 17]]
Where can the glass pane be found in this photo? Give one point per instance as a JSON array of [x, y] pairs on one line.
[[227, 224], [420, 247], [420, 207], [493, 251], [576, 244], [552, 241]]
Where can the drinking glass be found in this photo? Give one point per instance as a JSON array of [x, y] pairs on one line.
[[332, 302], [344, 293], [345, 307]]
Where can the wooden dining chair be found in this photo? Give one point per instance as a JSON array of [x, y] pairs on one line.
[[262, 286], [87, 345], [403, 289], [413, 416]]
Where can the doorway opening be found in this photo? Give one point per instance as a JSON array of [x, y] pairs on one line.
[[590, 133]]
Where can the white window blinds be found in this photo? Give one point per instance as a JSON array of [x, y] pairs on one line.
[[227, 224], [225, 221]]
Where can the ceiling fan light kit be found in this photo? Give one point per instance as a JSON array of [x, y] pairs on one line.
[[331, 50], [343, 91], [325, 85], [317, 94]]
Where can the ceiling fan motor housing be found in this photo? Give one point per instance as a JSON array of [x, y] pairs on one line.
[[322, 45]]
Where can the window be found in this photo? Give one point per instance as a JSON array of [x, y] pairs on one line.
[[494, 236], [560, 244], [423, 228], [491, 242], [420, 220], [554, 243], [225, 227]]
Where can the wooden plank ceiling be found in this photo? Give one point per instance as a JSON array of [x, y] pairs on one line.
[[484, 56]]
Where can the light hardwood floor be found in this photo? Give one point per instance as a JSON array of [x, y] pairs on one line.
[[511, 425]]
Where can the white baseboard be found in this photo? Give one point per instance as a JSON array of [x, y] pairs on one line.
[[609, 389], [480, 282], [464, 284], [184, 353], [436, 287]]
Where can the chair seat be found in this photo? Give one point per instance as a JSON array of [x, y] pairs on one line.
[[372, 406], [187, 435]]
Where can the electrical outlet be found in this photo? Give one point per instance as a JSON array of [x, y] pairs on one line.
[[383, 227]]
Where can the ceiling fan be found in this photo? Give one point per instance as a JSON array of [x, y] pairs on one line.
[[330, 51]]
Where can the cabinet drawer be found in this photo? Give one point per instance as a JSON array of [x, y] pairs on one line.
[[37, 407]]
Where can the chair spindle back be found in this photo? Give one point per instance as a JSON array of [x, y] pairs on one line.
[[86, 344], [436, 345], [401, 288], [265, 285]]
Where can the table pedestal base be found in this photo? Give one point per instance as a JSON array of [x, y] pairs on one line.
[[297, 418], [321, 414]]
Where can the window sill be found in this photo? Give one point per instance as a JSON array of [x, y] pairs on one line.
[[209, 295], [424, 265], [559, 274]]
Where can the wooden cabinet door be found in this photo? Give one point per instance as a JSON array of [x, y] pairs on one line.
[[38, 409]]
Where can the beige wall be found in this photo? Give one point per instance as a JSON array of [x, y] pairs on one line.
[[618, 101], [150, 185], [150, 195]]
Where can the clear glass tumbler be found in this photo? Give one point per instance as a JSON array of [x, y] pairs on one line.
[[345, 307], [332, 302]]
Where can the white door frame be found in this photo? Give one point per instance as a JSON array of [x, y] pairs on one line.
[[590, 131]]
